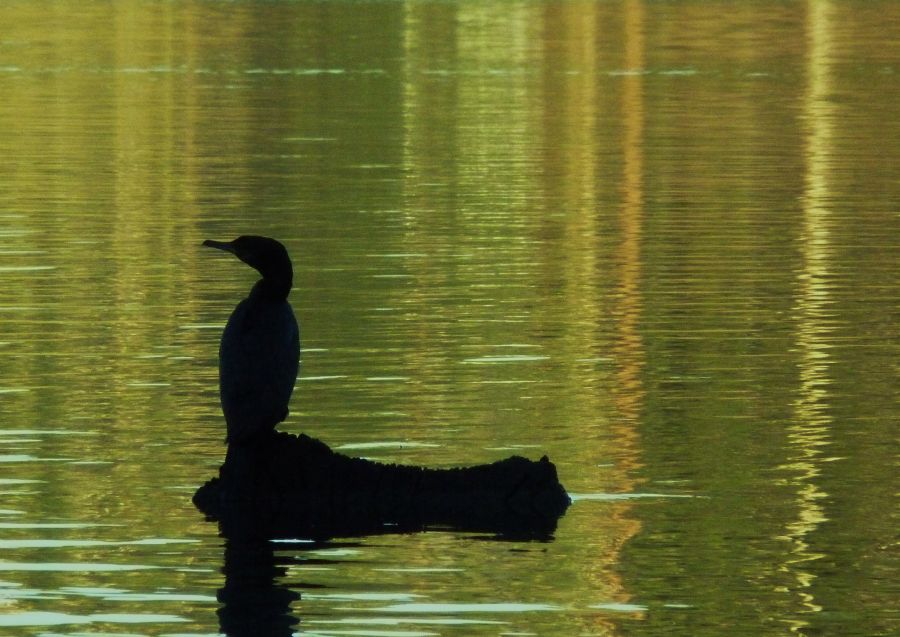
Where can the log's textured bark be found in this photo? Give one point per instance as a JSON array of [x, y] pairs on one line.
[[286, 485]]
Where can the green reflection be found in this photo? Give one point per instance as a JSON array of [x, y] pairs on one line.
[[656, 241]]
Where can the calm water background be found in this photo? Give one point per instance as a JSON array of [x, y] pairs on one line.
[[657, 241]]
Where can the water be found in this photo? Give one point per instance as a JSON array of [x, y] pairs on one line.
[[655, 241]]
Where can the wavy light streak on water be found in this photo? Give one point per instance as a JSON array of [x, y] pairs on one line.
[[653, 241]]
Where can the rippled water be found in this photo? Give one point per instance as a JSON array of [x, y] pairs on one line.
[[655, 241]]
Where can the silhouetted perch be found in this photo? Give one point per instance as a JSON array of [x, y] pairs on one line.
[[285, 485]]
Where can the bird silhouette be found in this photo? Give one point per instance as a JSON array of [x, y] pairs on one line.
[[259, 354]]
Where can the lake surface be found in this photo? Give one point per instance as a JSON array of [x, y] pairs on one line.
[[657, 241]]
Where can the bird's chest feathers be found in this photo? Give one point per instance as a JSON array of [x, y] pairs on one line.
[[260, 330]]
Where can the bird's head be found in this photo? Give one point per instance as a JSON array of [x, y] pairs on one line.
[[267, 256]]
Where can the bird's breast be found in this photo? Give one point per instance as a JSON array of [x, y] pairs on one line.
[[258, 360]]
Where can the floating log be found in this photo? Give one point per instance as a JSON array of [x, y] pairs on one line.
[[284, 485]]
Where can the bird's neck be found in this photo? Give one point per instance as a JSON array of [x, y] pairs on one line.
[[272, 288]]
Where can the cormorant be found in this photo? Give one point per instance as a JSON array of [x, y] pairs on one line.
[[260, 350]]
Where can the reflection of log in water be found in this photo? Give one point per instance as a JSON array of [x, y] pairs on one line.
[[285, 485], [253, 603], [290, 486]]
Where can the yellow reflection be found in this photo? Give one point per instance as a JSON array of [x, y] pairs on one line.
[[630, 347], [580, 172], [477, 121], [102, 194], [809, 432], [629, 351]]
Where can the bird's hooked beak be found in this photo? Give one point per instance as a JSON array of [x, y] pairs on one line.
[[220, 245]]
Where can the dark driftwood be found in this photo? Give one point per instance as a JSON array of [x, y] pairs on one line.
[[286, 485]]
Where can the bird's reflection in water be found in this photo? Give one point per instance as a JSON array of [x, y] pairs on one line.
[[254, 603], [256, 598]]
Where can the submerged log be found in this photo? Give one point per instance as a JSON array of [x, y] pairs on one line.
[[296, 486]]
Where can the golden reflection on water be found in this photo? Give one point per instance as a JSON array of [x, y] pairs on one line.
[[633, 236], [809, 433], [629, 391]]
